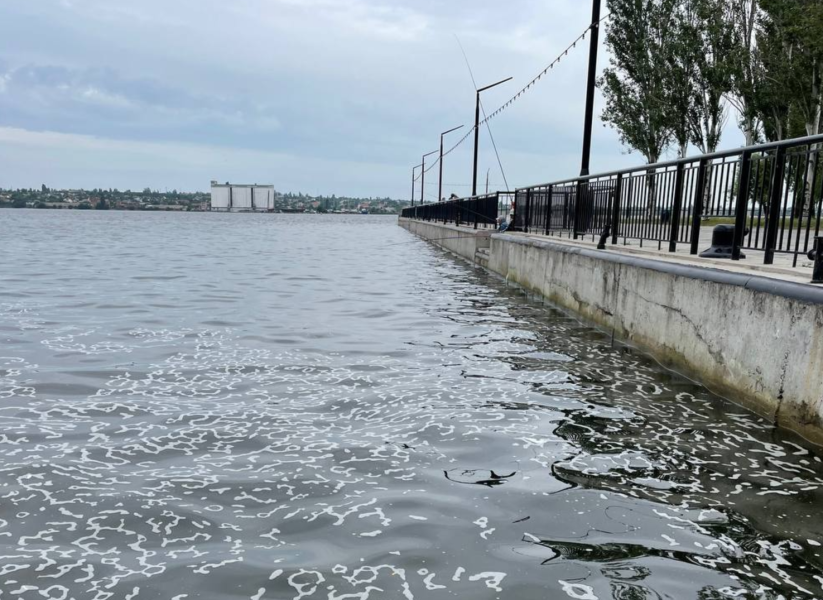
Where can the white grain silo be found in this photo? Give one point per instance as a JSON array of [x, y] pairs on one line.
[[229, 197]]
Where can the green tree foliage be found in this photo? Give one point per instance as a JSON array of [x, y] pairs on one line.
[[635, 84], [772, 98], [792, 31], [744, 59], [680, 56], [673, 64], [677, 63], [712, 42]]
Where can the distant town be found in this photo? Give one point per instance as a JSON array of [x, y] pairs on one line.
[[155, 200]]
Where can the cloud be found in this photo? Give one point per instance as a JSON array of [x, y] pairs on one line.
[[370, 19], [75, 161], [100, 100], [356, 89]]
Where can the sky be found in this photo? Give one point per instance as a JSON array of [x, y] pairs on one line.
[[317, 96]]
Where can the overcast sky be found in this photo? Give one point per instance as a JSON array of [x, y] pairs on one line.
[[318, 96]]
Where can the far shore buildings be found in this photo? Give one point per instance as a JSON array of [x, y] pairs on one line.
[[230, 197]]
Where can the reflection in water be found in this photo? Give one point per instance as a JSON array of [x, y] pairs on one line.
[[258, 406]]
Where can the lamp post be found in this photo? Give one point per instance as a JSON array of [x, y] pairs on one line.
[[440, 185], [423, 177], [413, 178], [587, 127], [477, 130]]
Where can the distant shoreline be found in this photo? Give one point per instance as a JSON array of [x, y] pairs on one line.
[[186, 210]]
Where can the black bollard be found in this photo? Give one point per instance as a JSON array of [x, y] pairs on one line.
[[722, 243], [816, 256], [607, 232]]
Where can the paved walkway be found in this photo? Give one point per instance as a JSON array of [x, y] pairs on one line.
[[753, 264]]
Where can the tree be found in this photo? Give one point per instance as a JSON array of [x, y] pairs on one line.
[[798, 25], [708, 43], [742, 15], [19, 203], [102, 204], [772, 99], [679, 62], [713, 73], [635, 84]]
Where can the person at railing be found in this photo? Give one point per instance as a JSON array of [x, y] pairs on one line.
[[502, 224]]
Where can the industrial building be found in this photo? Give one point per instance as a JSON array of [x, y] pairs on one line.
[[229, 197]]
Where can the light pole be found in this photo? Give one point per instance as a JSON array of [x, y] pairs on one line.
[[477, 131], [423, 178], [587, 127], [440, 185], [413, 178]]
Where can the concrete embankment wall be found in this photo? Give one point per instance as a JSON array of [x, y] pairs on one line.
[[755, 340]]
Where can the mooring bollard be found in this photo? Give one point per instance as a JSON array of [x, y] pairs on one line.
[[816, 256], [722, 243], [607, 232]]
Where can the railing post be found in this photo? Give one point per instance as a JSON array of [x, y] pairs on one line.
[[549, 208], [742, 203], [816, 256], [678, 206], [776, 191], [697, 206], [618, 195], [577, 205], [513, 212], [528, 218]]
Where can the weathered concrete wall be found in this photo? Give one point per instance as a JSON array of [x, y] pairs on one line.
[[755, 340], [463, 241]]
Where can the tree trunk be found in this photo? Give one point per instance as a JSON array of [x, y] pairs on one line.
[[812, 128], [707, 190], [651, 191], [748, 130], [808, 200]]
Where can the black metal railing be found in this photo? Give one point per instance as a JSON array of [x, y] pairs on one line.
[[772, 193], [476, 211]]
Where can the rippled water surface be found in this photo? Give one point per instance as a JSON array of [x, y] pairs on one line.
[[274, 406]]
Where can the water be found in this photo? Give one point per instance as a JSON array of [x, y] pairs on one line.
[[274, 406]]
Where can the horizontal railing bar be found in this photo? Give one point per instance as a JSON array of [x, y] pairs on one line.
[[480, 197], [790, 143]]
